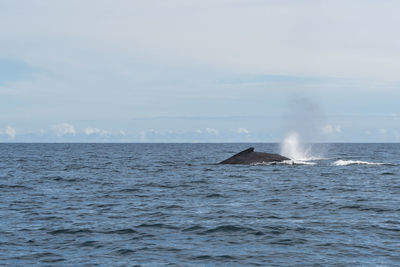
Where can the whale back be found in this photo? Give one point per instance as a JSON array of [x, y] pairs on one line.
[[246, 151], [248, 156]]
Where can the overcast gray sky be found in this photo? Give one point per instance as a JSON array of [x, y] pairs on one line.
[[187, 71]]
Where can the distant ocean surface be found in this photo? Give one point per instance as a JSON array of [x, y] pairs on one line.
[[172, 205]]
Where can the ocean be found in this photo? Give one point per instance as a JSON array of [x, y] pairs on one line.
[[172, 205]]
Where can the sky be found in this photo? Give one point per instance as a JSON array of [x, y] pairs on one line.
[[199, 71]]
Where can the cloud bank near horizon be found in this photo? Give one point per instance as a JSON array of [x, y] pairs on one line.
[[224, 129]]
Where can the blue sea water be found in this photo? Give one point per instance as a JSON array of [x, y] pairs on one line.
[[172, 205]]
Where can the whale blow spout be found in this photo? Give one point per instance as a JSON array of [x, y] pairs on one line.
[[248, 156]]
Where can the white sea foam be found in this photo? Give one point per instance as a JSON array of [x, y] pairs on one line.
[[355, 162], [286, 162], [298, 162]]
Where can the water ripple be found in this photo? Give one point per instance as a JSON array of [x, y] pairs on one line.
[[172, 205]]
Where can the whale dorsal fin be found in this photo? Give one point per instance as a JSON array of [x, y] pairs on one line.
[[247, 151]]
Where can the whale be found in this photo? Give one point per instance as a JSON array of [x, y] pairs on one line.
[[249, 156]]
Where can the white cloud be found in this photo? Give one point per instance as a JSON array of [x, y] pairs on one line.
[[330, 129], [243, 131], [11, 132], [121, 132], [383, 131], [91, 131], [212, 131], [63, 129]]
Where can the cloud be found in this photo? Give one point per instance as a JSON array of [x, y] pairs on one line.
[[212, 131], [131, 54], [123, 133], [11, 132], [91, 131], [330, 129], [144, 51], [63, 129], [383, 131], [243, 131]]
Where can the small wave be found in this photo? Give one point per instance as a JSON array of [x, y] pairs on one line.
[[202, 181], [236, 176], [69, 231], [275, 230], [74, 167], [367, 208], [216, 258], [232, 229], [202, 257], [214, 195], [388, 173], [357, 207], [288, 241], [49, 218], [157, 225], [356, 162], [129, 190], [166, 207], [193, 228], [124, 251], [5, 186], [90, 243], [47, 257], [122, 231]]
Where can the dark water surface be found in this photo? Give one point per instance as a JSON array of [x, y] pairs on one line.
[[171, 205]]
